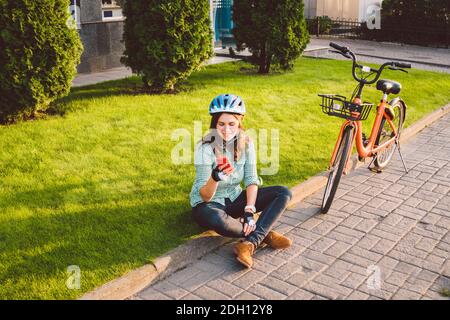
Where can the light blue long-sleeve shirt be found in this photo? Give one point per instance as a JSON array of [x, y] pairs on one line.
[[244, 170]]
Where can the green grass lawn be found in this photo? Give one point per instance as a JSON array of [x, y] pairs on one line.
[[96, 187]]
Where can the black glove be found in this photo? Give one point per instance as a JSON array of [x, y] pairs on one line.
[[217, 174]]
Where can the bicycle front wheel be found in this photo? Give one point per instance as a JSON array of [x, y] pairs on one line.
[[337, 168]]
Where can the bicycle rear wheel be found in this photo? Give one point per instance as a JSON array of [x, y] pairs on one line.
[[386, 133], [337, 168]]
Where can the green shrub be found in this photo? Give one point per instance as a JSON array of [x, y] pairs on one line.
[[38, 56], [165, 40], [325, 25], [274, 31]]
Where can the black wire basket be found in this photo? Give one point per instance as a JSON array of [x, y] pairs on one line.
[[338, 106]]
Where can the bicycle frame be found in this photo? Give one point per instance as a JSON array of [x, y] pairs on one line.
[[370, 149]]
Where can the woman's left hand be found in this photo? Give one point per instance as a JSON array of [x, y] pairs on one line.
[[249, 224]]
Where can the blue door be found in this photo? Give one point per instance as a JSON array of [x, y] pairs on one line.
[[223, 23]]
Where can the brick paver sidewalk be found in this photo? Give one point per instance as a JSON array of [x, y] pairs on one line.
[[386, 237]]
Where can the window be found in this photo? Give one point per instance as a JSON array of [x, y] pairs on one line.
[[111, 10]]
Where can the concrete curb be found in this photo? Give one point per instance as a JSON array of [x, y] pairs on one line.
[[178, 258]]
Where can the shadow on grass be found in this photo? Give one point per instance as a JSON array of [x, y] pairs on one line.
[[95, 238], [81, 241]]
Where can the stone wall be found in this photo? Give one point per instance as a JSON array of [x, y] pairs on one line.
[[102, 40], [90, 11], [103, 46]]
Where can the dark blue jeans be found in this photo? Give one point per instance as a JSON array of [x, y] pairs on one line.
[[271, 201]]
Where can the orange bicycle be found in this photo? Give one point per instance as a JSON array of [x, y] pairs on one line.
[[385, 134]]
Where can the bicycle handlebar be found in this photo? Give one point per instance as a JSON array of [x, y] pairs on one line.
[[402, 65], [338, 47], [346, 52]]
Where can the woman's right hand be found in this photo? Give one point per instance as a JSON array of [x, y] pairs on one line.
[[225, 166]]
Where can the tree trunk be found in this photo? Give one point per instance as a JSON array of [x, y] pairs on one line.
[[170, 88], [264, 60], [268, 63], [146, 83]]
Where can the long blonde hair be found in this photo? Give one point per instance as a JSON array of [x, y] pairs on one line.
[[240, 141]]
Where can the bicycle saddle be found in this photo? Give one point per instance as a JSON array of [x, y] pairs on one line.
[[389, 86]]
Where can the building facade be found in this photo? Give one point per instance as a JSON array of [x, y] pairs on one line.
[[340, 9], [357, 10], [100, 25]]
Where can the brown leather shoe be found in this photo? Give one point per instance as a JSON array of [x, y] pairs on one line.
[[276, 240], [244, 251]]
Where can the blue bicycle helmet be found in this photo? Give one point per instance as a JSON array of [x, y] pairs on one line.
[[227, 103]]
